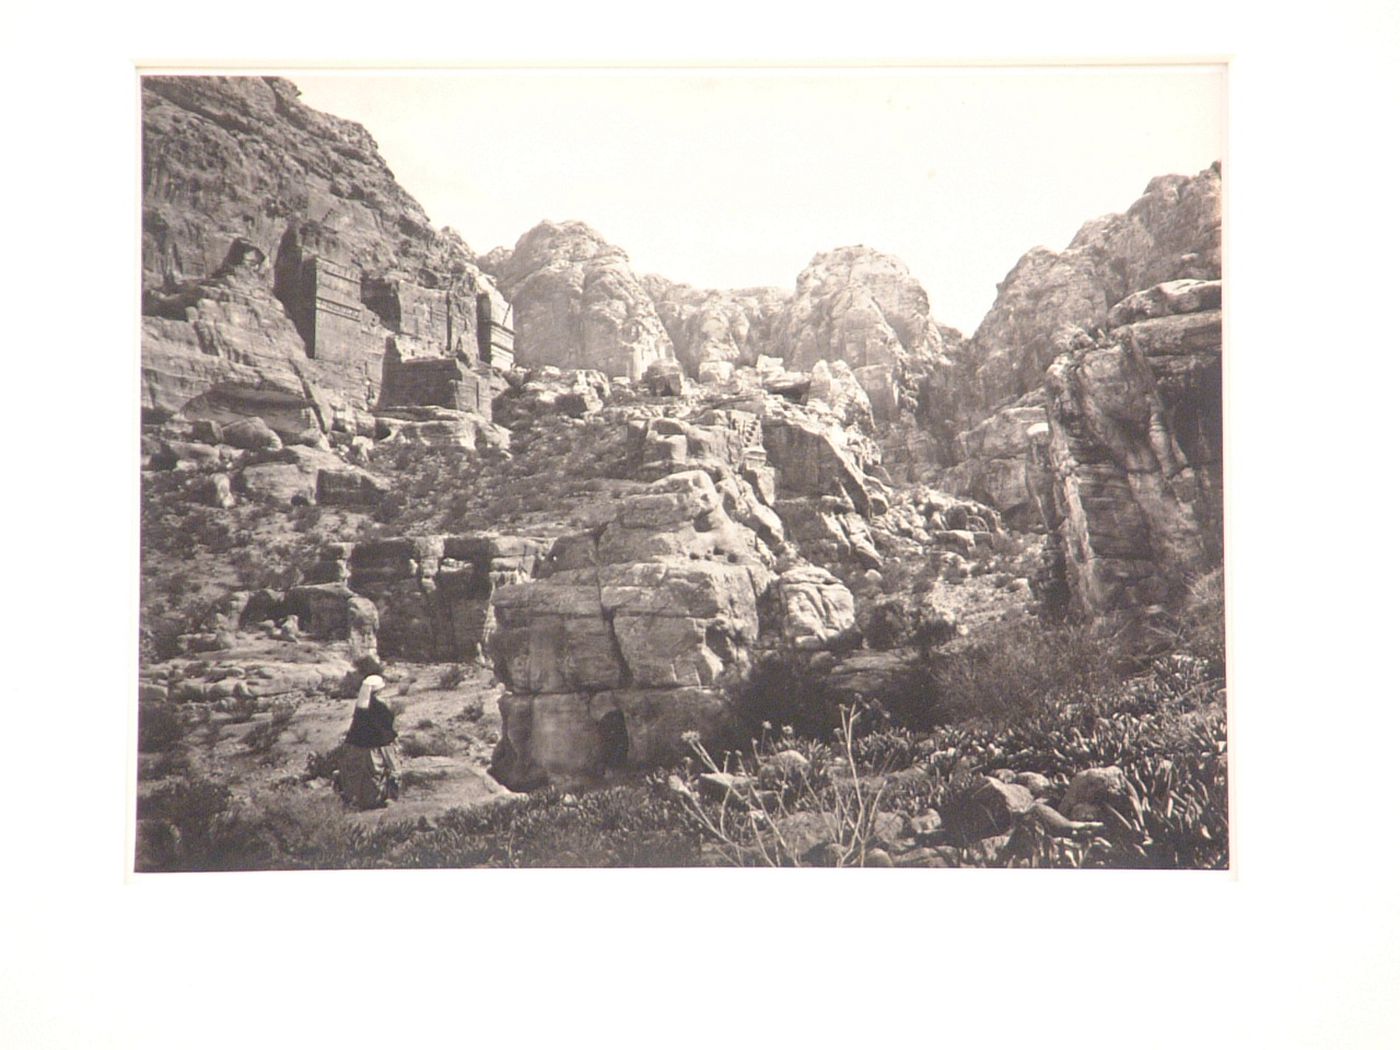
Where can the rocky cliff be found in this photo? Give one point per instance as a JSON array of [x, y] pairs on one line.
[[280, 259], [577, 303], [713, 331], [862, 307], [1092, 405], [1134, 450], [1171, 232]]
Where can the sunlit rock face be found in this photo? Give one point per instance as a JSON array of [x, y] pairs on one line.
[[578, 305], [1171, 232], [861, 307], [281, 259], [1134, 450]]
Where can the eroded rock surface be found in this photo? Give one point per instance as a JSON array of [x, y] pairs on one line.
[[715, 331], [578, 305], [1171, 232], [1135, 451], [630, 637], [280, 258], [433, 593], [864, 308]]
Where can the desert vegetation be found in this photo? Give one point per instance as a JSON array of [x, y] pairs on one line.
[[869, 790]]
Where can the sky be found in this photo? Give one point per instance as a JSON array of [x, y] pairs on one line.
[[737, 178]]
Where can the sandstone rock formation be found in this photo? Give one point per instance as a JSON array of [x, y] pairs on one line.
[[825, 496], [714, 331], [577, 303], [1171, 232], [862, 307], [629, 638], [997, 463], [550, 391], [433, 593], [1134, 444], [280, 257]]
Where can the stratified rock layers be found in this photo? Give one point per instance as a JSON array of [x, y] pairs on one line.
[[1171, 232], [1134, 445], [630, 637], [280, 259]]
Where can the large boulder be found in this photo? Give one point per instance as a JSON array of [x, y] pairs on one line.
[[578, 305], [656, 609], [550, 391], [288, 476], [818, 611]]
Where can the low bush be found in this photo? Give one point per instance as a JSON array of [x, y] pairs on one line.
[[452, 677], [262, 738], [1013, 667], [431, 742], [783, 690], [159, 726]]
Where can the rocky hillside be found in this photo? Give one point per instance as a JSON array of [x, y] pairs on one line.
[[604, 523]]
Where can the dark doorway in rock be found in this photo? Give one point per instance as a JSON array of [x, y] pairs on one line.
[[613, 730]]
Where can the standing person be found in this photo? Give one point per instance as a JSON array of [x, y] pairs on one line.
[[370, 762]]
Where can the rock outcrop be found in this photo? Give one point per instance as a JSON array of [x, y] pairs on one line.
[[1134, 445], [280, 258], [629, 637], [1153, 269], [578, 305], [825, 497], [1172, 232], [712, 332], [862, 307], [998, 464], [433, 593]]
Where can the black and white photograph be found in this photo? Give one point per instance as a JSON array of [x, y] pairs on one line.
[[514, 510], [744, 468]]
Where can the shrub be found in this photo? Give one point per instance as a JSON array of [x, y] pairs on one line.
[[193, 808], [1202, 619], [261, 738], [783, 690], [159, 726], [417, 745], [818, 812], [240, 709], [1014, 666], [473, 711]]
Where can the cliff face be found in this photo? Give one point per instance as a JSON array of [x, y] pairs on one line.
[[1092, 399], [577, 303], [1171, 232], [280, 257], [862, 307], [1134, 447]]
